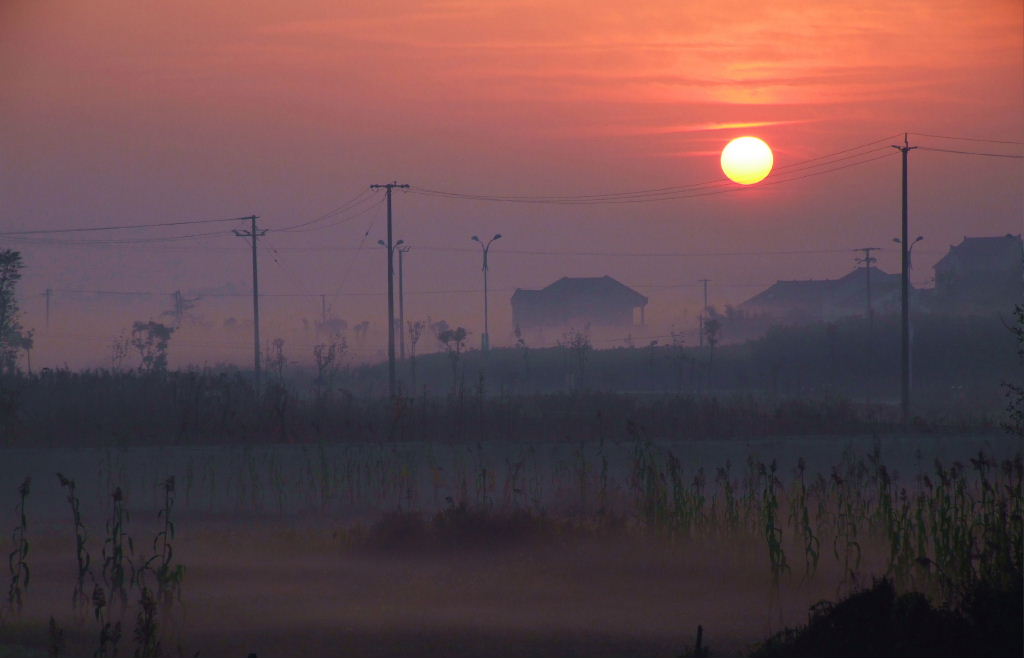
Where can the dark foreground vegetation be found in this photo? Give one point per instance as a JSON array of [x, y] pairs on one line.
[[987, 620], [949, 545]]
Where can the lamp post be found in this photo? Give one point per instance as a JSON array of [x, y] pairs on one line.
[[910, 249], [485, 339], [394, 248]]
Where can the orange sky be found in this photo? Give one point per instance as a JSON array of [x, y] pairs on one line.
[[121, 112]]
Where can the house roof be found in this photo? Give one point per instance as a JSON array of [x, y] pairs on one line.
[[584, 287], [815, 291], [985, 252], [784, 292]]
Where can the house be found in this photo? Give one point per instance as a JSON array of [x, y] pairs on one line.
[[981, 272], [826, 299], [577, 301]]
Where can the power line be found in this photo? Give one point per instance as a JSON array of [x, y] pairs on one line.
[[123, 226], [723, 188], [970, 139], [113, 242], [344, 208], [715, 186], [988, 155]]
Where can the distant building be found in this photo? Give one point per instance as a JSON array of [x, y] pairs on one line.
[[596, 301], [980, 273], [826, 299]]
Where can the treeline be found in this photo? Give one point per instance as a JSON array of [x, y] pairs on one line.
[[64, 408], [959, 363], [825, 379]]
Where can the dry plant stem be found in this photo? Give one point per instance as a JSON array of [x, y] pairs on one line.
[[79, 599], [16, 559]]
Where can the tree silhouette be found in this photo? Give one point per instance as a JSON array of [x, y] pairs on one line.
[[150, 340], [12, 337]]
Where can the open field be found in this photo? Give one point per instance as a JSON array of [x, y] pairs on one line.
[[542, 549]]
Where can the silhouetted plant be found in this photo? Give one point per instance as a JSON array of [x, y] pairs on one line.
[[151, 339], [16, 559], [454, 341], [117, 550], [57, 642], [78, 596], [1015, 391], [147, 641], [415, 333], [577, 344], [275, 358]]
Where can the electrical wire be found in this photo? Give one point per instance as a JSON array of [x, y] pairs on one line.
[[715, 186], [970, 139], [327, 215], [988, 155], [123, 226]]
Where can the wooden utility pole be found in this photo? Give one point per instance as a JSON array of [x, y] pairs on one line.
[[388, 187], [868, 260], [905, 293], [255, 234], [402, 250], [49, 294]]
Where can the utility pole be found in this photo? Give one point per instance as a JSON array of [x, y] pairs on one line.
[[905, 292], [402, 250], [485, 340], [323, 311], [700, 322], [49, 293], [388, 187], [867, 261], [255, 234]]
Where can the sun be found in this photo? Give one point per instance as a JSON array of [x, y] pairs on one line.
[[747, 160]]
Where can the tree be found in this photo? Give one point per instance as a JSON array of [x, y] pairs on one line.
[[13, 338], [150, 340], [712, 335], [454, 341], [1015, 392]]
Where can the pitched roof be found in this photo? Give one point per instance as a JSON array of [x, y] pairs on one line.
[[585, 287], [816, 291], [985, 252], [782, 292]]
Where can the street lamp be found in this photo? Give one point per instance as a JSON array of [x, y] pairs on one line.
[[401, 304], [910, 249], [485, 339]]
